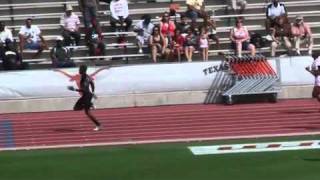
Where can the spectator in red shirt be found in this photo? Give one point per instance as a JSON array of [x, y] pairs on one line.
[[167, 27], [177, 44], [302, 34]]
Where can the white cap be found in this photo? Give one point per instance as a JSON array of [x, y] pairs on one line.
[[59, 38], [69, 7]]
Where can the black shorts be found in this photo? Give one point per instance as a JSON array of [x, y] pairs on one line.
[[245, 45], [84, 102], [316, 91]]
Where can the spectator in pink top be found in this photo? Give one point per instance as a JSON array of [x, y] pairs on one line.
[[70, 24], [240, 38], [302, 34]]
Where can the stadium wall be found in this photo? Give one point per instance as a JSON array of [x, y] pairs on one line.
[[139, 85]]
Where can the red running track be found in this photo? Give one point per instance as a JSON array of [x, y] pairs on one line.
[[160, 124]]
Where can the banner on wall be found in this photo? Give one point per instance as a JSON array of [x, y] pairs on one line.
[[136, 79], [113, 81]]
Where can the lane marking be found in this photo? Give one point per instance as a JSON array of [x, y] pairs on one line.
[[255, 147], [6, 132]]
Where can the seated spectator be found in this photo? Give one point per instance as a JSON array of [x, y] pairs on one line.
[[190, 44], [70, 24], [184, 25], [302, 34], [167, 27], [11, 59], [60, 55], [174, 15], [5, 35], [210, 25], [204, 43], [158, 44], [30, 38], [195, 9], [144, 30], [238, 6], [281, 34], [177, 44], [95, 44], [120, 14], [240, 38], [89, 10], [274, 11]]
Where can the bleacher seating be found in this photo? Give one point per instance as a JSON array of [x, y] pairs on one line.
[[46, 14]]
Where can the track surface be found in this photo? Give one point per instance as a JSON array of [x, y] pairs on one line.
[[159, 124]]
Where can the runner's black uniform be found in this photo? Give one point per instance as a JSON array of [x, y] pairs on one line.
[[85, 101]]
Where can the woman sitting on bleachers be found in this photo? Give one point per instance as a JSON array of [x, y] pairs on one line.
[[210, 25], [240, 38], [190, 44], [177, 44], [167, 27], [158, 44], [281, 34]]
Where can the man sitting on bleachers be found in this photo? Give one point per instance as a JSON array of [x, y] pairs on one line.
[[143, 29], [195, 9], [184, 25], [11, 59], [120, 14], [238, 5], [95, 45], [30, 38], [70, 24], [274, 11], [302, 34], [5, 35], [60, 55]]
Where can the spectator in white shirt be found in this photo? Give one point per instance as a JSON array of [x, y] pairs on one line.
[[195, 9], [238, 5], [30, 38], [144, 30], [274, 11], [70, 24], [5, 35], [120, 14]]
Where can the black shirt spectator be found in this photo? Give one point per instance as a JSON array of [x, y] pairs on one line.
[[11, 59], [60, 55]]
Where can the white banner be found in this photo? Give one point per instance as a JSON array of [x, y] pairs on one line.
[[113, 81], [135, 79]]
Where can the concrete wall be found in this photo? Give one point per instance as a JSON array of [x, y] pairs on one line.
[[133, 100]]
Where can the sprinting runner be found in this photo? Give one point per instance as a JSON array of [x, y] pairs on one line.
[[314, 69], [86, 89]]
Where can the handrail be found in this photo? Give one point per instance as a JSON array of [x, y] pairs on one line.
[[264, 50], [148, 10], [219, 30]]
